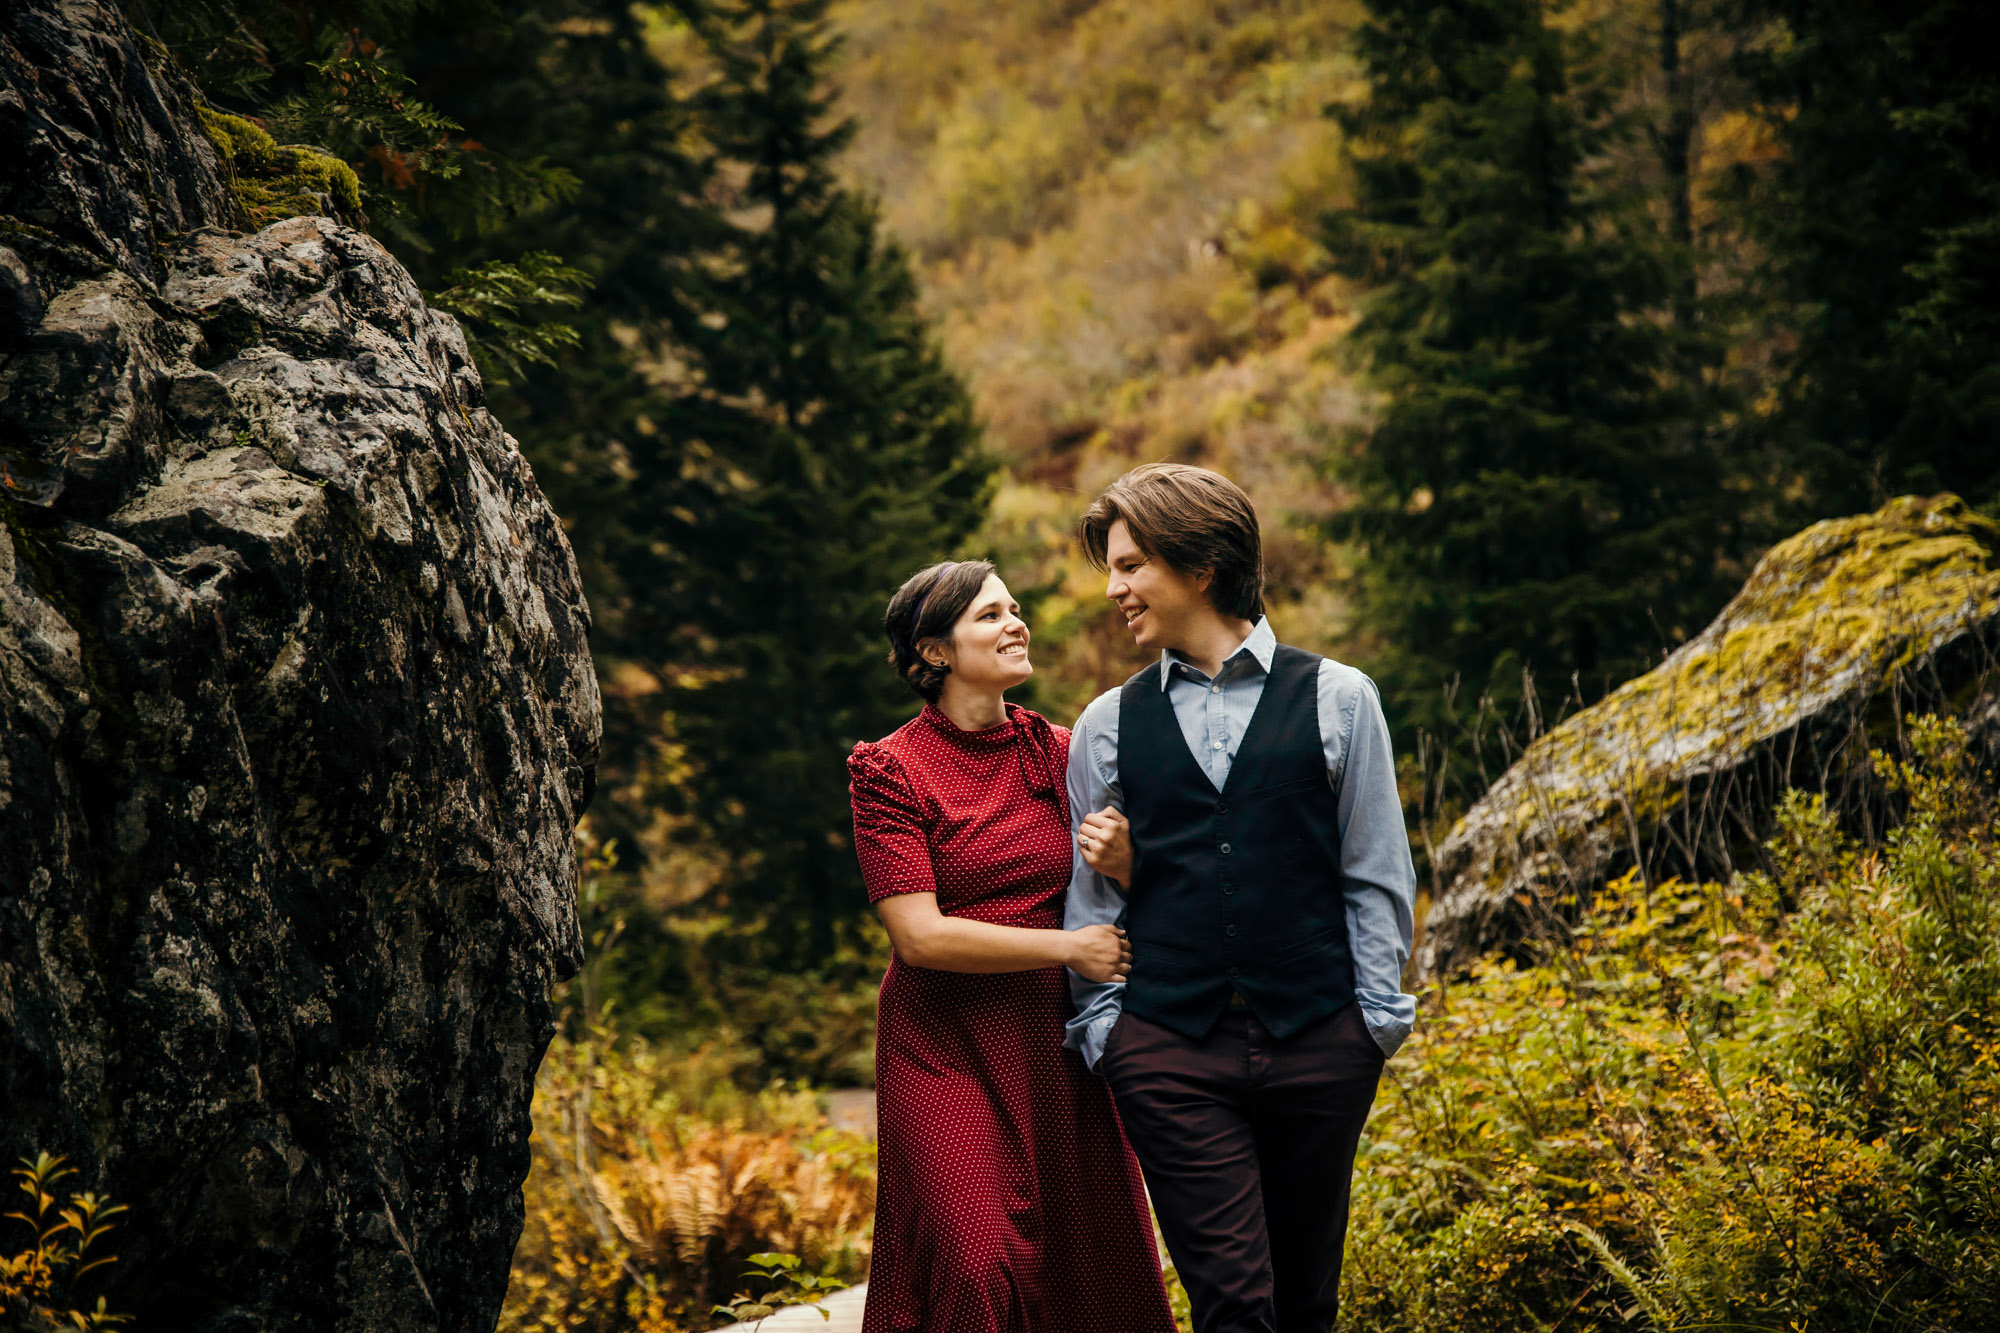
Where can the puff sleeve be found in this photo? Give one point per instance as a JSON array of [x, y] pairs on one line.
[[891, 840]]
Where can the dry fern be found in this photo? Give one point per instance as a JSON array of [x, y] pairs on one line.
[[641, 1215]]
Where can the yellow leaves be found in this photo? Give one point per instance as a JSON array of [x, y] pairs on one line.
[[39, 1281], [1115, 209], [1654, 1085]]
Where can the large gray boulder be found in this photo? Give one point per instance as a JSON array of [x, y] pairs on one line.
[[296, 719], [1839, 632]]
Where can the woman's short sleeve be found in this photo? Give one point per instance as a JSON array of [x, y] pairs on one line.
[[890, 840]]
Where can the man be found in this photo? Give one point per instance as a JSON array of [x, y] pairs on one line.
[[1269, 910]]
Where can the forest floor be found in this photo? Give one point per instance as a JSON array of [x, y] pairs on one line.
[[850, 1109]]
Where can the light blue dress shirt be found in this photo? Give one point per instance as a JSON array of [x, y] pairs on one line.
[[1377, 879]]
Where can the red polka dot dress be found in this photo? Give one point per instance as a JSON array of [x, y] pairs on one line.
[[1009, 1201]]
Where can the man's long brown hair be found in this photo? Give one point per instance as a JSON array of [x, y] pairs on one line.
[[1193, 519]]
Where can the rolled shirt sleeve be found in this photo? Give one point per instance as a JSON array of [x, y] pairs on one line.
[[1093, 899], [1378, 878]]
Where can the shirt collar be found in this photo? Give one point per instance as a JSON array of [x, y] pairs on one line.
[[1260, 647]]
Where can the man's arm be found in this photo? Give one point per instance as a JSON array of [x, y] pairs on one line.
[[1093, 899], [1378, 879]]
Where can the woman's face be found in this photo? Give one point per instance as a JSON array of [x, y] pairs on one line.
[[989, 644]]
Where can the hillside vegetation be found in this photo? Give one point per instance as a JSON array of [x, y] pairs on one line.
[[1115, 210]]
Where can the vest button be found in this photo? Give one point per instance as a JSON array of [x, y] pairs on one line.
[[1222, 807], [1230, 931], [1232, 971], [1224, 849], [1228, 887]]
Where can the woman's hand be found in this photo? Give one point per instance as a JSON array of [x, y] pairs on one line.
[[1106, 842], [1100, 953]]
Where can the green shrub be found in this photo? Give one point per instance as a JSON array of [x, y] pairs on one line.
[[785, 1287], [1703, 1112]]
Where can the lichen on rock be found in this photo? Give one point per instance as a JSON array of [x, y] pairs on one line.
[[1837, 632], [296, 718]]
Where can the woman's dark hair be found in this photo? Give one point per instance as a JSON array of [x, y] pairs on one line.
[[926, 607], [1195, 520]]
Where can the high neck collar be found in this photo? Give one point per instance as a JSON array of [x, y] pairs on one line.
[[986, 737]]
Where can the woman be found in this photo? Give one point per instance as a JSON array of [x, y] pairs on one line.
[[1009, 1201]]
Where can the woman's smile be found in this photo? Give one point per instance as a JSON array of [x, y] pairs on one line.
[[987, 651]]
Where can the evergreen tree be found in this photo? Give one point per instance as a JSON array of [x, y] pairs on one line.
[[577, 83], [831, 453], [1537, 490], [532, 167], [1882, 222]]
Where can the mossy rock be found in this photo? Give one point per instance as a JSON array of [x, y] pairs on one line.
[[1839, 631], [273, 181]]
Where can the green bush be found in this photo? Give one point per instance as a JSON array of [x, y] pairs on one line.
[[1706, 1112]]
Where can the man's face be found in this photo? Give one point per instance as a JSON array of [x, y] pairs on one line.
[[1159, 602]]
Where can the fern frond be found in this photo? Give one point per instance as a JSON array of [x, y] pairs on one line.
[[498, 301], [1624, 1276]]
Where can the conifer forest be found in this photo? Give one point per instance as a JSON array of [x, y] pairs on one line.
[[455, 456]]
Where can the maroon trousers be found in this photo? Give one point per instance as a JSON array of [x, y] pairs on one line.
[[1248, 1148]]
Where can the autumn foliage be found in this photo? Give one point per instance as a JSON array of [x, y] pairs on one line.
[[48, 1246], [1771, 1104], [653, 1185]]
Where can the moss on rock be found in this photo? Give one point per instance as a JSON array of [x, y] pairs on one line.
[[1833, 621], [273, 181]]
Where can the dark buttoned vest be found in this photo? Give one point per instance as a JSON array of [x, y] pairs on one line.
[[1237, 890]]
